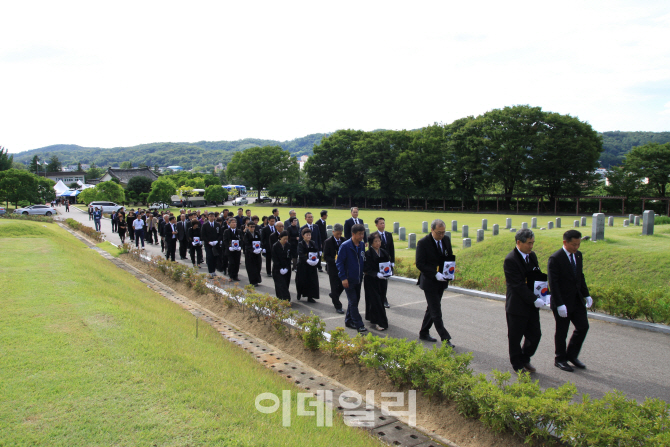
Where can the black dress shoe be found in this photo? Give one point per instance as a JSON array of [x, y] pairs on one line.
[[362, 329], [339, 311], [427, 338], [387, 305], [350, 326], [448, 343], [564, 366], [320, 270], [298, 297], [311, 300], [578, 363]]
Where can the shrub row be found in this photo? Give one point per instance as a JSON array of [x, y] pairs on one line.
[[174, 270], [44, 219], [88, 231], [535, 415]]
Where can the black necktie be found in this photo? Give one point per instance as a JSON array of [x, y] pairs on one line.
[[527, 259], [356, 221], [439, 246], [383, 238], [574, 265], [338, 242]]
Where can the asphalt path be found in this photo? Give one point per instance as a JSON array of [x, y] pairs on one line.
[[631, 360]]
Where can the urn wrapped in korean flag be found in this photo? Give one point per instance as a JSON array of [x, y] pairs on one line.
[[541, 290], [196, 240], [313, 256], [257, 245], [235, 243], [385, 268], [449, 269]]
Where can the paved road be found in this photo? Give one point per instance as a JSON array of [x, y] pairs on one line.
[[634, 361]]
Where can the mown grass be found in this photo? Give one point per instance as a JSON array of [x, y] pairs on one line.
[[90, 356], [111, 249]]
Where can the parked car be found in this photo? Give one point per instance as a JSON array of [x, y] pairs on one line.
[[106, 207], [262, 199], [44, 210], [2, 210], [240, 201], [159, 206]]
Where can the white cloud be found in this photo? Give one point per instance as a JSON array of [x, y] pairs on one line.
[[137, 72]]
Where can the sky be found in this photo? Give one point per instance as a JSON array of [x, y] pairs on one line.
[[109, 74]]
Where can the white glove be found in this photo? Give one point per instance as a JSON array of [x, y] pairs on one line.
[[539, 303], [263, 251], [312, 263], [213, 243], [393, 264], [283, 271], [589, 301], [320, 253], [239, 249], [381, 275], [439, 276], [562, 311], [231, 248], [257, 251]]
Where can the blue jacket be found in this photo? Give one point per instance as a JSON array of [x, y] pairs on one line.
[[97, 215], [350, 262]]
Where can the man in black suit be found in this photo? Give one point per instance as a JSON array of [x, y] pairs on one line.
[[316, 236], [210, 236], [569, 299], [266, 232], [330, 249], [354, 220], [387, 245], [170, 234], [321, 225], [522, 307], [240, 218], [182, 236], [431, 253]]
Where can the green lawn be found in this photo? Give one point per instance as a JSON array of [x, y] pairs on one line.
[[90, 356]]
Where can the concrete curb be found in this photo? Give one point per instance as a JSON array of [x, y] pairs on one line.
[[653, 327]]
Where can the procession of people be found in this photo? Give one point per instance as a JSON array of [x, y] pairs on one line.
[[360, 268]]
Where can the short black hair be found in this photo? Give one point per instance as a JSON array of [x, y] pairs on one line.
[[308, 212], [282, 234], [269, 218], [571, 234], [378, 219], [275, 210], [324, 213], [374, 236], [357, 228], [305, 231]]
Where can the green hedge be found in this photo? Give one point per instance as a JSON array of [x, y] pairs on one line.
[[45, 219], [88, 231]]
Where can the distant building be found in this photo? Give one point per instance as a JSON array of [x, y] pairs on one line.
[[302, 160], [175, 168], [124, 175], [64, 176], [218, 168]]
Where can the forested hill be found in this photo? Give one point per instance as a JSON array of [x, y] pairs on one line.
[[617, 144], [187, 155]]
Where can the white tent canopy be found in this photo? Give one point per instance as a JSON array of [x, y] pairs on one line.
[[60, 188]]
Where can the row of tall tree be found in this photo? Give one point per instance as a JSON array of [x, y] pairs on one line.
[[515, 150]]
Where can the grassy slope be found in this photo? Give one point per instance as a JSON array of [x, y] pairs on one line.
[[90, 356]]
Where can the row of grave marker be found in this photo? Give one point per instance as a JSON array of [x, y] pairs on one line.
[[597, 228]]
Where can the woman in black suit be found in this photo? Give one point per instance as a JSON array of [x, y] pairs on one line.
[[252, 253], [307, 278], [194, 243], [373, 282], [293, 239], [281, 266]]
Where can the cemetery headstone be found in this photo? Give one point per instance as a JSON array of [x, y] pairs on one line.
[[550, 225], [495, 229], [648, 223], [576, 224], [533, 222], [485, 224], [467, 242], [508, 223], [402, 234], [524, 225], [396, 227], [610, 221], [412, 240], [465, 231], [637, 221], [583, 221], [558, 222], [454, 225], [480, 235], [424, 226], [598, 227]]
